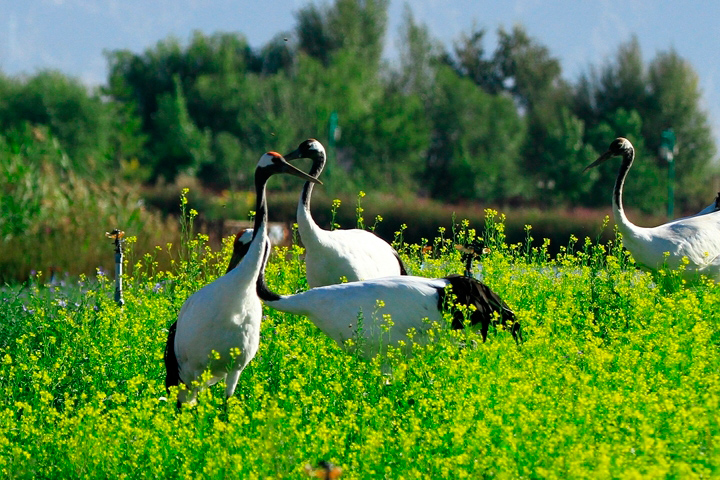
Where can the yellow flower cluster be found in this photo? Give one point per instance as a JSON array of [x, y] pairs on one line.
[[618, 377]]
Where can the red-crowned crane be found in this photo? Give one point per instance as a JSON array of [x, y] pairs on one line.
[[218, 327], [329, 255], [358, 310], [696, 237]]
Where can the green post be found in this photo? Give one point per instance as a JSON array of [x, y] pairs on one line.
[[332, 129], [671, 190], [668, 150]]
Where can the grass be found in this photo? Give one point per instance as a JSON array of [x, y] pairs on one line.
[[55, 218], [618, 377]]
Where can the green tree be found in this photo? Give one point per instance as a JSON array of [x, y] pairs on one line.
[[275, 56], [356, 26], [314, 38], [184, 147], [554, 156], [663, 95], [620, 83], [419, 55], [675, 102], [526, 69], [523, 69], [519, 66], [475, 143], [646, 186], [469, 59], [76, 117]]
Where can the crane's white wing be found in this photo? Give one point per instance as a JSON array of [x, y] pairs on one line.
[[363, 310], [353, 254], [697, 238]]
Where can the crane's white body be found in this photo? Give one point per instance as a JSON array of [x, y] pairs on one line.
[[221, 316], [357, 310], [353, 254], [218, 327], [331, 255], [696, 238]]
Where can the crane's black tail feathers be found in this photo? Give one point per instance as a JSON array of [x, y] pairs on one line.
[[172, 368], [469, 291], [403, 271]]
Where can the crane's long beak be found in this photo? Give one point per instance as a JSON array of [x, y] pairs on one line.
[[600, 160], [287, 168], [294, 155]]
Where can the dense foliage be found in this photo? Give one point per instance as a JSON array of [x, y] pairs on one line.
[[455, 124], [617, 378], [55, 214]]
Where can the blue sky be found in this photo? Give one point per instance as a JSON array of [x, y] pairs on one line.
[[71, 35]]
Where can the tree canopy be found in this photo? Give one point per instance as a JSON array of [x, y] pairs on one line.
[[457, 124]]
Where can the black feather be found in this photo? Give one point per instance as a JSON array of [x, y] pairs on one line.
[[469, 291], [402, 265], [172, 368]]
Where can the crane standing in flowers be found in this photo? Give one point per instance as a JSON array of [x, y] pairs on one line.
[[241, 245], [218, 328], [330, 255], [696, 238]]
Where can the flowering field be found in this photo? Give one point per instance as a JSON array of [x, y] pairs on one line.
[[619, 376]]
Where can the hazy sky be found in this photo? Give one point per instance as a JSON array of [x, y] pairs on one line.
[[71, 35]]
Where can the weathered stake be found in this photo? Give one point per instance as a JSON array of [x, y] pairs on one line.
[[118, 235]]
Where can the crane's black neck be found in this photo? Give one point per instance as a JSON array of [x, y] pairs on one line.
[[319, 159], [261, 218], [261, 209], [261, 287], [628, 157]]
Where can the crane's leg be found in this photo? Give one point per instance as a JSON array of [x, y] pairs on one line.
[[187, 396], [231, 382]]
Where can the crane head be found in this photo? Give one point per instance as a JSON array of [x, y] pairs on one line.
[[241, 245], [619, 147], [272, 162], [313, 150], [310, 148]]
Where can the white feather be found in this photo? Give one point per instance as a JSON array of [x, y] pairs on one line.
[[353, 254], [222, 315], [353, 311], [696, 238], [266, 160], [332, 255]]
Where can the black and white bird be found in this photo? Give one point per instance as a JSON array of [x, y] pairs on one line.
[[379, 312], [696, 237], [332, 254], [218, 328]]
